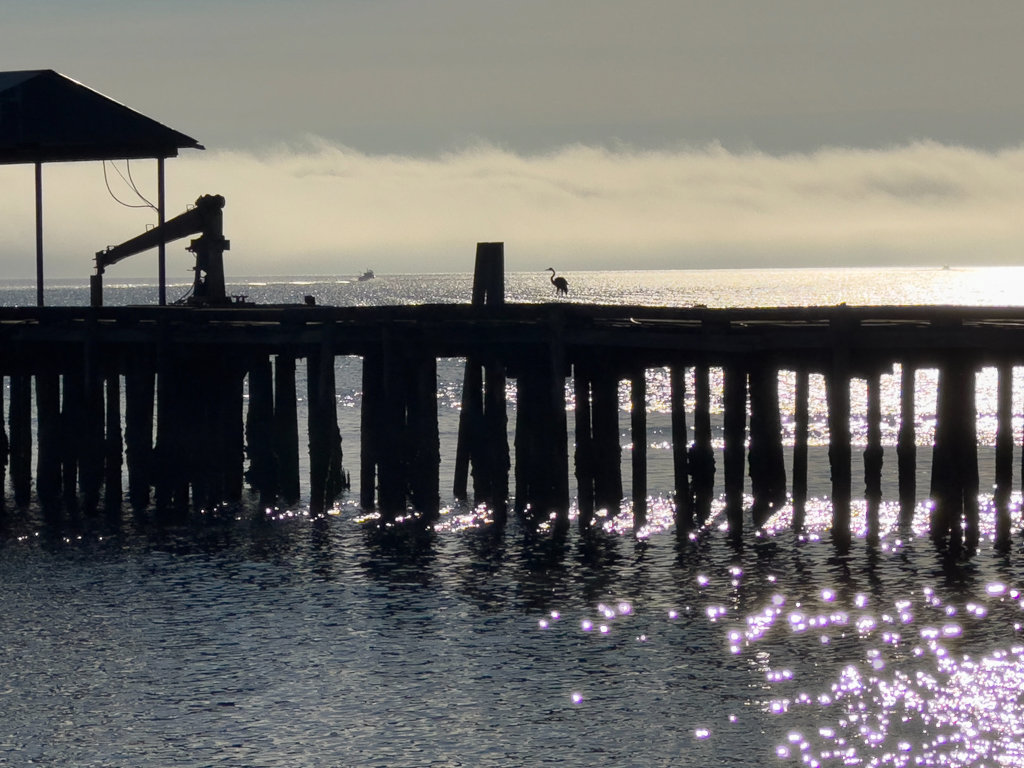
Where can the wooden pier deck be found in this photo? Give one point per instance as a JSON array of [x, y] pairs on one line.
[[184, 370]]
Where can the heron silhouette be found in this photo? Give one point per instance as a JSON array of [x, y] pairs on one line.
[[561, 286]]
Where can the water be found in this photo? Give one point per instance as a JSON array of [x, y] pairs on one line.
[[272, 640]]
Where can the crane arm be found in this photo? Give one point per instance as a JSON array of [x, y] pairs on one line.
[[205, 217]]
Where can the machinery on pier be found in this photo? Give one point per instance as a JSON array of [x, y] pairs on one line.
[[207, 220]]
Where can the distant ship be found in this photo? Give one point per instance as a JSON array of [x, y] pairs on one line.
[[367, 275]]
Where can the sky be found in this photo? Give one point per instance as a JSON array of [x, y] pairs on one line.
[[585, 134]]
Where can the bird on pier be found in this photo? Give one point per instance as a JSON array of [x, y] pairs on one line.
[[561, 286]]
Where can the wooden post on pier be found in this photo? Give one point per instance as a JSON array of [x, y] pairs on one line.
[[702, 455], [392, 438], [319, 365], [734, 397], [483, 419], [48, 462], [20, 422], [607, 450], [800, 420], [139, 388], [91, 472], [71, 427], [680, 452], [840, 454], [767, 463], [906, 445], [584, 455], [424, 439], [1004, 454], [286, 428], [113, 446], [638, 429], [955, 456], [873, 455], [370, 416], [259, 431], [969, 456], [4, 452]]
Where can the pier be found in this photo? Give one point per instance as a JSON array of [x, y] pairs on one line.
[[178, 375]]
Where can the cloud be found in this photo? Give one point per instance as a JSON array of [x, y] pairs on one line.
[[320, 208]]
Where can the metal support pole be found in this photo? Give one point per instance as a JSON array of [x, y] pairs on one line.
[[39, 234], [162, 248]]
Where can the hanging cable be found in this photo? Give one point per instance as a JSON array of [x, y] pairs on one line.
[[106, 181]]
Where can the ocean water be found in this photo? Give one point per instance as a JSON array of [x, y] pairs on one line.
[[257, 638]]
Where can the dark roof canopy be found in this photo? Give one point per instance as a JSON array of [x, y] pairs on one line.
[[46, 117]]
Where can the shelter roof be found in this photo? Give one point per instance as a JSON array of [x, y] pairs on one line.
[[47, 117]]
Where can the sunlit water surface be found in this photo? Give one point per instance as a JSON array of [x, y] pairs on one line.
[[256, 639]]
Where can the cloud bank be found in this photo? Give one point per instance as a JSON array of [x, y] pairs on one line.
[[319, 208]]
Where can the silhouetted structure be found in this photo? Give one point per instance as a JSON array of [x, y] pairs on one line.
[[46, 117]]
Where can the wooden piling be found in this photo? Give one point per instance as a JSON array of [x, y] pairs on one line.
[[48, 461], [800, 419], [234, 435], [71, 428], [424, 440], [139, 388], [113, 446], [259, 431], [734, 397], [638, 429], [969, 457], [20, 422], [839, 451], [286, 427], [873, 455], [5, 447], [583, 459], [392, 435], [93, 450], [680, 450], [906, 445], [494, 441], [1004, 453], [766, 460], [369, 425], [702, 455], [607, 450], [319, 434]]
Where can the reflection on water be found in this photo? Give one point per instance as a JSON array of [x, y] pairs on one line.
[[274, 640], [291, 642]]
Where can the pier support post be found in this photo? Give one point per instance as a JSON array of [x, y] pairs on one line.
[[906, 445], [139, 386], [702, 455], [680, 451], [93, 453], [71, 428], [259, 431], [638, 429], [767, 463], [370, 416], [48, 461], [954, 458], [735, 423], [584, 460], [873, 456], [326, 475], [424, 439], [470, 426], [800, 419], [494, 441], [392, 438], [607, 450], [839, 451], [5, 447], [113, 446], [20, 421], [1004, 454], [286, 427]]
